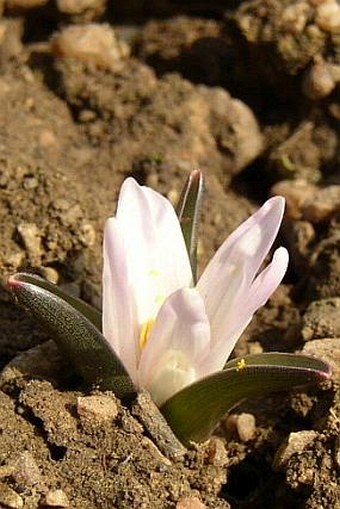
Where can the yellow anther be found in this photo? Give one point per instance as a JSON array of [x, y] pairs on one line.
[[159, 299], [241, 364], [145, 332], [154, 273]]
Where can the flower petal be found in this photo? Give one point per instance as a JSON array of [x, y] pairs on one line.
[[118, 312], [268, 280], [178, 343], [235, 264], [244, 308], [154, 245]]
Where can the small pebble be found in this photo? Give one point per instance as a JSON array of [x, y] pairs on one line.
[[15, 260], [255, 348], [318, 81], [26, 471], [49, 273], [237, 130], [328, 16], [86, 115], [93, 43], [216, 453], [334, 110], [47, 139], [9, 498], [245, 426], [84, 9], [30, 183], [97, 409], [294, 17], [6, 470], [324, 204], [295, 444], [190, 503], [72, 215], [87, 234], [296, 193], [321, 319], [56, 498], [31, 238], [298, 236]]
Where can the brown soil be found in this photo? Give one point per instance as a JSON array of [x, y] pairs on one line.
[[252, 97]]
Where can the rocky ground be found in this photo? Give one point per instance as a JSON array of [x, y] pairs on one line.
[[93, 91]]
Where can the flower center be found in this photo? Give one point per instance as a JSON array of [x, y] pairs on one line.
[[145, 332], [174, 372]]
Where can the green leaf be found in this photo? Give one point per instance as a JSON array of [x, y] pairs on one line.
[[76, 335], [281, 359], [85, 309], [194, 412], [188, 211]]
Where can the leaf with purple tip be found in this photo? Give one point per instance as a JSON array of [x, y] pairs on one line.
[[91, 313], [194, 412], [77, 336]]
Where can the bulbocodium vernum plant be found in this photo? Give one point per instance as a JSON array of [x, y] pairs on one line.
[[161, 328]]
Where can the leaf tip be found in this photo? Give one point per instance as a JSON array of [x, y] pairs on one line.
[[13, 283], [326, 374]]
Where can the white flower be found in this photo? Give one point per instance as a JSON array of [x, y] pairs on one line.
[[167, 333]]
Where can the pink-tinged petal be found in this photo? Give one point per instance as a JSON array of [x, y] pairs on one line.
[[268, 280], [235, 265], [178, 343], [119, 321], [156, 253], [245, 307]]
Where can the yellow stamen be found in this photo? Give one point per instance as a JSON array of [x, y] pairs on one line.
[[241, 364], [154, 273], [159, 299], [145, 332]]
